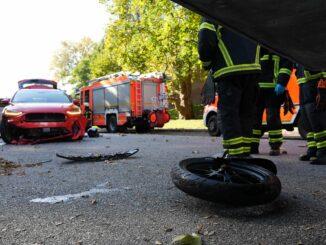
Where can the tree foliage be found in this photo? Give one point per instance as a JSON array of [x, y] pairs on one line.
[[157, 35], [144, 36]]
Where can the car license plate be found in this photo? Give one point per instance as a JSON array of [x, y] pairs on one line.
[[46, 130]]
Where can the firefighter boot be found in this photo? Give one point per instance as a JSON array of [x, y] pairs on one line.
[[320, 158], [310, 155], [275, 152]]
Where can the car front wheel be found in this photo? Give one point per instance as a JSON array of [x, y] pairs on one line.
[[6, 131]]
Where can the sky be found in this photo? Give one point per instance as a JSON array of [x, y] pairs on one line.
[[31, 32]]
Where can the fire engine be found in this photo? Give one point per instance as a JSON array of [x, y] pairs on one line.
[[212, 121], [124, 100]]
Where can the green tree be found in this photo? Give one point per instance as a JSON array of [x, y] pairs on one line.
[[150, 35], [69, 56]]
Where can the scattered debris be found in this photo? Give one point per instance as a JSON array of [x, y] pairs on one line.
[[100, 157], [187, 239], [94, 201], [7, 167], [37, 164], [93, 132], [168, 229], [58, 223]]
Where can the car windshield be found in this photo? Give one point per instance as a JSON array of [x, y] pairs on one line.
[[40, 96]]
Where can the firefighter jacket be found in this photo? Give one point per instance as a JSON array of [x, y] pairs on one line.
[[225, 52], [305, 76], [275, 69]]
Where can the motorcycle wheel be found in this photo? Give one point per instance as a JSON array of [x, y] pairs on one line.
[[226, 182]]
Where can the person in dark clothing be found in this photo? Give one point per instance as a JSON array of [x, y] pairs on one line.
[[276, 72], [234, 62], [312, 95]]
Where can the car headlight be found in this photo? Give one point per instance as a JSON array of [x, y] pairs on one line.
[[74, 111], [12, 113]]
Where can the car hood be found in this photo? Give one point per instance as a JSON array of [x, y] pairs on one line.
[[40, 107]]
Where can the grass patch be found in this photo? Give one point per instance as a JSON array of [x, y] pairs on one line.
[[185, 124]]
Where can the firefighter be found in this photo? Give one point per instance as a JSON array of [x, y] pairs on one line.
[[276, 72], [313, 112], [234, 62]]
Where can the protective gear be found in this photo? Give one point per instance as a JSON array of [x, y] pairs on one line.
[[321, 95], [288, 104], [315, 119], [234, 61], [225, 52], [275, 75], [208, 91], [279, 89]]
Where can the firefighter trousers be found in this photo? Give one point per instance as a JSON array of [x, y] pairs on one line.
[[267, 99], [237, 96], [314, 120]]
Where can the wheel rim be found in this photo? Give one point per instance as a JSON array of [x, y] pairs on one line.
[[227, 173]]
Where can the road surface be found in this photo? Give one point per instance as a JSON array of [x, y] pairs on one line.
[[48, 200]]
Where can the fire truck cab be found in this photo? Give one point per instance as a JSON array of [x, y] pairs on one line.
[[212, 121], [124, 100]]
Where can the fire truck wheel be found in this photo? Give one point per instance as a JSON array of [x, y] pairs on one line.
[[212, 126], [112, 125], [226, 182], [6, 132]]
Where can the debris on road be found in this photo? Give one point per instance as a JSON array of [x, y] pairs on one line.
[[93, 132], [7, 167], [187, 239], [99, 157]]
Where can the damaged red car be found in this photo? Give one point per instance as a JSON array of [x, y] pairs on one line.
[[37, 114]]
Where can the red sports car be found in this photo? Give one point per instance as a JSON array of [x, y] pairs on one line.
[[37, 114]]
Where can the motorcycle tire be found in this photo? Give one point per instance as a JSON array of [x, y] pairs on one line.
[[226, 182]]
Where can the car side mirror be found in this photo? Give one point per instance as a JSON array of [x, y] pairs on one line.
[[76, 102], [5, 102]]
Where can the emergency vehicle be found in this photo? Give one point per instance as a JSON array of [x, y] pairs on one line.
[[212, 121], [124, 100]]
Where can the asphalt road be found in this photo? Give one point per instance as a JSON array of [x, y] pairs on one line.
[[48, 200]]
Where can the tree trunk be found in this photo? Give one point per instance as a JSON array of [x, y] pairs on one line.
[[183, 102]]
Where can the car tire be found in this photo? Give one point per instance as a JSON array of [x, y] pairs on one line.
[[212, 126], [6, 132], [225, 182], [112, 125]]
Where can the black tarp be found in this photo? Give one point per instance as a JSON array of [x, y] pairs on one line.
[[295, 29]]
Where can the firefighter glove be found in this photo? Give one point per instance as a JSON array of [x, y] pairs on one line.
[[279, 89], [288, 104], [321, 95], [208, 91]]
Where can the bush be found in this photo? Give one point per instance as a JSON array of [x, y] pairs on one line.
[[197, 109], [174, 114]]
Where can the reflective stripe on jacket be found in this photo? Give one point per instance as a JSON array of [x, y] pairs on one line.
[[225, 52], [275, 69]]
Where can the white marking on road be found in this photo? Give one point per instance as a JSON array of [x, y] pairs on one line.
[[69, 197]]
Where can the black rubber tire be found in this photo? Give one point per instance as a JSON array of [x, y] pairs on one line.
[[212, 126], [261, 186], [302, 128], [6, 132], [261, 162], [112, 125]]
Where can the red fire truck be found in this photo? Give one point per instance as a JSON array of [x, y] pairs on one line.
[[124, 100]]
